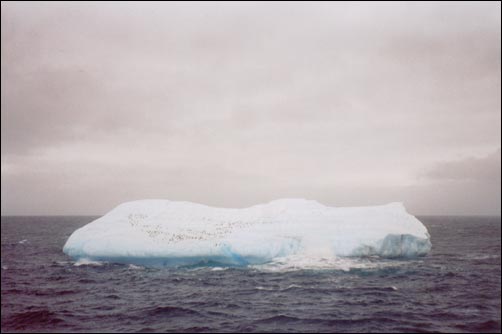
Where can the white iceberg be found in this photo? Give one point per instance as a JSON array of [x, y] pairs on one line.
[[168, 233]]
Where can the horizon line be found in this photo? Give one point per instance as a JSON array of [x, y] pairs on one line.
[[100, 215]]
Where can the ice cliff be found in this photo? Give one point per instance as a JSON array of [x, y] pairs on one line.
[[168, 233]]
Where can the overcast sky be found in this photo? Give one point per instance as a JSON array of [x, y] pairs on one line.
[[235, 104]]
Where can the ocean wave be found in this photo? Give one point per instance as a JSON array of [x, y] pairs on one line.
[[30, 319], [172, 311]]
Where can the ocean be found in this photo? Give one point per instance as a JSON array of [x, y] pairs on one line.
[[456, 288]]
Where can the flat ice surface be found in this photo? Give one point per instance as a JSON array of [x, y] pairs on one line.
[[168, 233]]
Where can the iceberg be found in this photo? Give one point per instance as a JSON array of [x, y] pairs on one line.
[[171, 233]]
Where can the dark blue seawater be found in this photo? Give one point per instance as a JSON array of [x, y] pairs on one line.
[[454, 289]]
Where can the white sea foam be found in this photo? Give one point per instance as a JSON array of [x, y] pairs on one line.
[[135, 267], [87, 262]]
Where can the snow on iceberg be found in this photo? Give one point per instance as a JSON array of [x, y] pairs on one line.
[[168, 233]]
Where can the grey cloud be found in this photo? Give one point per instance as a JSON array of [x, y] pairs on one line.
[[486, 168], [472, 185], [254, 100]]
